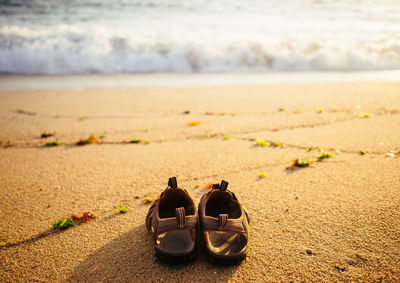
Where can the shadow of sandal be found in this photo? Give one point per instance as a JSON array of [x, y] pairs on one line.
[[130, 258]]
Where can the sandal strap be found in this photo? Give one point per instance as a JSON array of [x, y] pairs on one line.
[[222, 219], [165, 225], [223, 187], [172, 183], [180, 216], [222, 223]]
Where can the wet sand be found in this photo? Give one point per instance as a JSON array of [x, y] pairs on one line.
[[337, 220]]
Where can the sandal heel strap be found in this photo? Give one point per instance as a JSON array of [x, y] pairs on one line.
[[222, 219], [180, 217], [172, 183]]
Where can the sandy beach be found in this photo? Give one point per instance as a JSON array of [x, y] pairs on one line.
[[337, 220]]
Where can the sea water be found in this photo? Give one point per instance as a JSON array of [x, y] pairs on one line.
[[198, 36]]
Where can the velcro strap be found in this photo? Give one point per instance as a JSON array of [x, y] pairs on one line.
[[224, 185], [180, 216], [222, 219], [215, 186], [172, 182]]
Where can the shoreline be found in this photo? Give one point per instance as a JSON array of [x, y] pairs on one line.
[[13, 82]]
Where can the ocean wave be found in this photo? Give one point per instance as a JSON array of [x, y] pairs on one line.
[[73, 50]]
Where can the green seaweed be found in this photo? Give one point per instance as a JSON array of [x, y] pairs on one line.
[[122, 209], [193, 123], [363, 152], [227, 137], [365, 115], [148, 200], [262, 175], [90, 140], [302, 163], [276, 144], [63, 224], [281, 109], [325, 155], [139, 141], [320, 110], [81, 119], [102, 137], [52, 143], [262, 143]]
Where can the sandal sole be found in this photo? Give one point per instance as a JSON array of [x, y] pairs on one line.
[[174, 260], [225, 261]]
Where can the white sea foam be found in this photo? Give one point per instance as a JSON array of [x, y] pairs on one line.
[[227, 36], [64, 50]]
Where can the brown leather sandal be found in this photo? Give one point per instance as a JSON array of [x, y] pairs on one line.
[[172, 221], [224, 225]]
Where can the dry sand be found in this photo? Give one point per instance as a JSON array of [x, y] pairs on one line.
[[338, 220]]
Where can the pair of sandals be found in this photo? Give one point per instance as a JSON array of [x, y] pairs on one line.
[[173, 222]]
